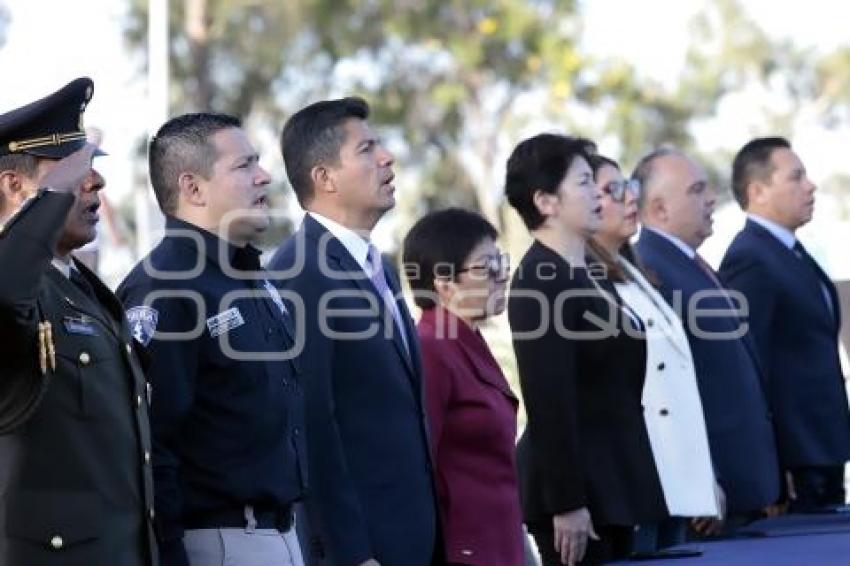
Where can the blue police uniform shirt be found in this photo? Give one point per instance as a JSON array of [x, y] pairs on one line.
[[226, 407]]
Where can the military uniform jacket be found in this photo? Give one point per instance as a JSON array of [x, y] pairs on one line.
[[75, 480]]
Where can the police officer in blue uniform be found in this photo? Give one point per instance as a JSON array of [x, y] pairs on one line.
[[227, 407], [75, 478]]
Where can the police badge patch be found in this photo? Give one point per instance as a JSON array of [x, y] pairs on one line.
[[143, 322]]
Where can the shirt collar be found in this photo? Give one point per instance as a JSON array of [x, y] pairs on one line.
[[357, 245], [63, 267], [685, 248], [781, 233], [246, 258]]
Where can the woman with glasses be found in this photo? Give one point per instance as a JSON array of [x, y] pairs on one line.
[[586, 470], [458, 277], [672, 406]]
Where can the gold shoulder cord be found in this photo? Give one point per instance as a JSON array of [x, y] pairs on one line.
[[46, 347]]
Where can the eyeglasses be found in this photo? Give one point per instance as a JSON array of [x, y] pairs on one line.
[[617, 189], [496, 267]]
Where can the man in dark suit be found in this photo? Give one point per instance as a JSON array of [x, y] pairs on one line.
[[367, 446], [794, 320], [75, 484], [676, 208]]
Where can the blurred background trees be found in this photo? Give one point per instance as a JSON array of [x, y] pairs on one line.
[[453, 83]]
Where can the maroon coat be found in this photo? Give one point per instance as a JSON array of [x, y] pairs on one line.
[[472, 415]]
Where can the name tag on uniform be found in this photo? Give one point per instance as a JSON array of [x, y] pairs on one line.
[[79, 325], [225, 322]]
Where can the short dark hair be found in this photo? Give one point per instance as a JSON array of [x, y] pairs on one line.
[[645, 169], [438, 245], [184, 143], [598, 161], [753, 162], [22, 163], [313, 136], [540, 164]]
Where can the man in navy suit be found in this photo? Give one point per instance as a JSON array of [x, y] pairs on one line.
[[372, 499], [794, 320], [676, 208]]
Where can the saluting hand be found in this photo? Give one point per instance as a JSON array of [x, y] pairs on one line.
[[571, 532], [370, 562], [69, 172]]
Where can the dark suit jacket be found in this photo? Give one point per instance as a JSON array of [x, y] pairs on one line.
[[74, 483], [581, 373], [367, 447], [797, 339], [472, 413], [740, 433]]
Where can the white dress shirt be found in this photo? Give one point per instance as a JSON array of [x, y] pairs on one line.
[[357, 245], [686, 249]]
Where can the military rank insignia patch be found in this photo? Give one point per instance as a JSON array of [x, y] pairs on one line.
[[143, 322]]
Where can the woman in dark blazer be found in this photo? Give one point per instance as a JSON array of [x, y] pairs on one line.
[[586, 468], [458, 277]]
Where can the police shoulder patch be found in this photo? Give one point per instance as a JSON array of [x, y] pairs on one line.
[[143, 322]]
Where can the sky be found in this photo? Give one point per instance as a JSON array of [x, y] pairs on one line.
[[84, 37]]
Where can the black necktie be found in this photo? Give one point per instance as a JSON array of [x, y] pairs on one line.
[[82, 283], [804, 256]]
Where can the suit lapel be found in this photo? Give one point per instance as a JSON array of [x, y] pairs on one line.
[[689, 268], [409, 354], [805, 267], [674, 338], [347, 268], [485, 366]]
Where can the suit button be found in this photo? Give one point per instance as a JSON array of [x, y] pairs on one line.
[[151, 513], [138, 401], [663, 412], [661, 366], [85, 358], [466, 552], [56, 543], [296, 431], [650, 322]]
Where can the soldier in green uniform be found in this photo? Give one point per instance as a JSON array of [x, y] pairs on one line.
[[75, 475]]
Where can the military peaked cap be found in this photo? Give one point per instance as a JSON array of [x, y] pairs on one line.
[[51, 127]]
